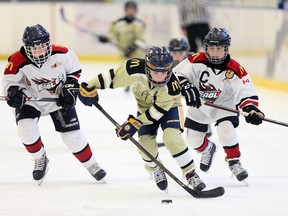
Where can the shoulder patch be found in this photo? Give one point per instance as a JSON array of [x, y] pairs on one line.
[[16, 61], [237, 68], [59, 49], [198, 57], [135, 65], [173, 85]]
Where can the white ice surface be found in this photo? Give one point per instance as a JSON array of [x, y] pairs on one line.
[[69, 189]]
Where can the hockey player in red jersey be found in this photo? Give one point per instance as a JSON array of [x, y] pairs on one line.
[[215, 77], [40, 69]]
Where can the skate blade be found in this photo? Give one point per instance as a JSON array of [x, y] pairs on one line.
[[102, 181], [245, 181], [39, 182]]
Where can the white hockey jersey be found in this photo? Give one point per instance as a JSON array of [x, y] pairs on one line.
[[229, 86], [41, 82]]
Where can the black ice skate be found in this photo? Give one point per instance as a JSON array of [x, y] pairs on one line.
[[97, 172], [195, 181], [207, 156], [237, 170], [160, 179], [40, 169]]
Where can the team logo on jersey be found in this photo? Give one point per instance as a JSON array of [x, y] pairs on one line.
[[229, 74], [53, 85], [209, 92], [175, 85], [56, 64], [134, 63]]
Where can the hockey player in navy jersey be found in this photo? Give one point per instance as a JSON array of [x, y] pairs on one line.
[[215, 77], [40, 69], [157, 93]]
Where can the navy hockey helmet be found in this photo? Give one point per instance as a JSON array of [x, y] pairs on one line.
[[178, 44], [130, 4], [217, 37], [159, 59], [37, 44]]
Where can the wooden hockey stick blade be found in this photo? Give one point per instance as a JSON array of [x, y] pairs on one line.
[[215, 192], [4, 98], [244, 113]]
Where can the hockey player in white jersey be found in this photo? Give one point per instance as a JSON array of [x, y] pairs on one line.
[[215, 77], [40, 69], [157, 93], [179, 49]]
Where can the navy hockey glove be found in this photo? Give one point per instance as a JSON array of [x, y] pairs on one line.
[[255, 116], [15, 97], [130, 50], [68, 95], [103, 39], [129, 128], [88, 95], [191, 93]]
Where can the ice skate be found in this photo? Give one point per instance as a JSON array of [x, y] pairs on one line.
[[207, 156], [40, 169], [97, 172], [195, 181], [160, 179], [237, 170]]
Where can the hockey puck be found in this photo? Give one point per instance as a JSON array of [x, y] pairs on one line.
[[166, 201]]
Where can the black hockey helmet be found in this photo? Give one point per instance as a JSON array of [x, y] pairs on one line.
[[130, 4], [178, 44], [217, 37], [159, 59], [37, 38]]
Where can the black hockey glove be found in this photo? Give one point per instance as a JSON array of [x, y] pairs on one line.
[[103, 39], [68, 95], [191, 93], [15, 97], [130, 50], [129, 128], [254, 116], [88, 95]]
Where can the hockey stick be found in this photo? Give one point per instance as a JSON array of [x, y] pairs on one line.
[[84, 30], [215, 192], [5, 98], [244, 113]]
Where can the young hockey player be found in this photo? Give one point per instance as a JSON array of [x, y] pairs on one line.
[[215, 77], [128, 33], [179, 49], [40, 69], [157, 93]]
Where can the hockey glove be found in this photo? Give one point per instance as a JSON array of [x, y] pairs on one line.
[[130, 50], [68, 95], [103, 39], [129, 128], [88, 95], [255, 116], [15, 97], [191, 93]]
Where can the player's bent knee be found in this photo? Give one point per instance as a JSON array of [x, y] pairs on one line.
[[227, 133], [194, 138], [28, 130], [75, 140]]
